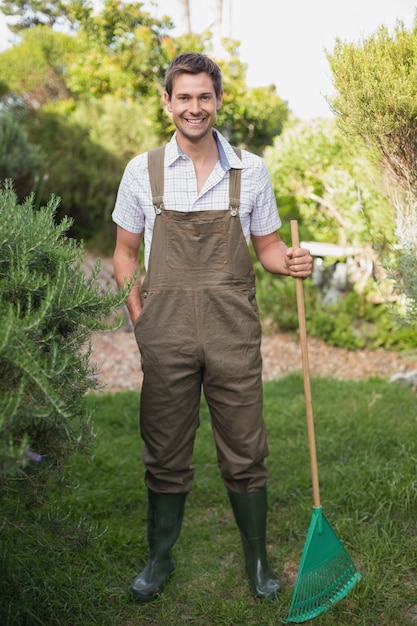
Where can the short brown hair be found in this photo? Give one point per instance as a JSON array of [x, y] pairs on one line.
[[193, 63]]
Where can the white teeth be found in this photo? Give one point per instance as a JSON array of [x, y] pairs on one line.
[[195, 121]]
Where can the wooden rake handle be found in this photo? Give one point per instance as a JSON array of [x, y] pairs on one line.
[[307, 387]]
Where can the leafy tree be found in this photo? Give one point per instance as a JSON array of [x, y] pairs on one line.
[[121, 51], [333, 190], [80, 162], [35, 70], [375, 101], [86, 174], [376, 86], [18, 157], [319, 177], [33, 13], [92, 99], [117, 126], [88, 146]]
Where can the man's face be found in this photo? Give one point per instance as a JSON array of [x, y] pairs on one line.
[[193, 105]]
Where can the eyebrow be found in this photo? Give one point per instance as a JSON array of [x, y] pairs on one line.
[[205, 93]]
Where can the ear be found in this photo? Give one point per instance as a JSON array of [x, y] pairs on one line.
[[219, 101], [167, 102]]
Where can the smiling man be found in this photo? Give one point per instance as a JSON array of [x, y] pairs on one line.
[[197, 203]]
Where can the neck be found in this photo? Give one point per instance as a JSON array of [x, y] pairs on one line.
[[205, 149], [204, 155]]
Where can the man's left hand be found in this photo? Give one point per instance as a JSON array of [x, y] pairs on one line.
[[299, 262]]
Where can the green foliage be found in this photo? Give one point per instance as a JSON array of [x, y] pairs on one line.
[[80, 574], [91, 100], [18, 157], [49, 307], [256, 117], [86, 174], [35, 13], [121, 51], [338, 196], [339, 324], [375, 84], [328, 183], [375, 101], [402, 262], [407, 278], [352, 322], [118, 127], [35, 70], [88, 147]]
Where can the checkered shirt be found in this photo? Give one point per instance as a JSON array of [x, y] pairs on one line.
[[258, 213]]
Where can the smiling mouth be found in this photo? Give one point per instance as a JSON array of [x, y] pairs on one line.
[[194, 122]]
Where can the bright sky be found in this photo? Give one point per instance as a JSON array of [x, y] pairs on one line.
[[284, 43]]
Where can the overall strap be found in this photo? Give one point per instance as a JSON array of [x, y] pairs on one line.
[[156, 178], [234, 185], [156, 175]]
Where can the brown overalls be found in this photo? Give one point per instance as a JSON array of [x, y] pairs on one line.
[[199, 328]]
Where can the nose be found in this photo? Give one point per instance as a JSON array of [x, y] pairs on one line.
[[194, 106]]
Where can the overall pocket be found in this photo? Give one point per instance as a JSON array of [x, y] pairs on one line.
[[196, 245]]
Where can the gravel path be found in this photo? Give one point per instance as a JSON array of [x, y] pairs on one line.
[[118, 362]]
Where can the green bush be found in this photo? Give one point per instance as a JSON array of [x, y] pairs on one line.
[[18, 157], [49, 306], [351, 322]]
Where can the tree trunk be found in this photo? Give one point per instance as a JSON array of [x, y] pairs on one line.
[[185, 19]]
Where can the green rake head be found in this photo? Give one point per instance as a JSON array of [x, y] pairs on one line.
[[326, 574]]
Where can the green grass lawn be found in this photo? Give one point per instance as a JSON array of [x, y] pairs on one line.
[[367, 456]]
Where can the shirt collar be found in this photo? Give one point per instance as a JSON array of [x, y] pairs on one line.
[[228, 157]]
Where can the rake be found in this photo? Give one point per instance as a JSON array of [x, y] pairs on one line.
[[327, 572]]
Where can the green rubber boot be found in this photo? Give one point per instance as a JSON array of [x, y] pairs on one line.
[[165, 515], [250, 511]]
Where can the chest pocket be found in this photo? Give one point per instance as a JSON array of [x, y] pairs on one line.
[[196, 244]]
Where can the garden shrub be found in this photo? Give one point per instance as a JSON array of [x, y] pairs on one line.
[[352, 321], [49, 306]]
